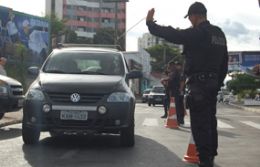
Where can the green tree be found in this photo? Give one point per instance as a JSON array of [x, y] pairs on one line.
[[57, 25], [161, 55], [71, 36], [104, 36], [242, 83]]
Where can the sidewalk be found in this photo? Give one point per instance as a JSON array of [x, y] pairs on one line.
[[11, 118], [246, 108]]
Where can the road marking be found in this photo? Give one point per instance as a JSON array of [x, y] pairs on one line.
[[69, 154], [252, 124], [150, 122], [220, 124], [224, 125]]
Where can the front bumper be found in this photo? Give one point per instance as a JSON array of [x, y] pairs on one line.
[[118, 117], [156, 100], [10, 104]]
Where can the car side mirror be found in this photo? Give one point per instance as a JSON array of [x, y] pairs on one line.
[[33, 70], [134, 74]]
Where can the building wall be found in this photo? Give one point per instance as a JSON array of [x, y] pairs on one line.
[[141, 58], [148, 40], [85, 17]]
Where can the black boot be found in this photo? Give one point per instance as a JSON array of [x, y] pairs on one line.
[[207, 162]]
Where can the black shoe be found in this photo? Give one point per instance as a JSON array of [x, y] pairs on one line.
[[164, 116], [207, 162]]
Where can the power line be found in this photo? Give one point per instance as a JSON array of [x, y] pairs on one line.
[[131, 28]]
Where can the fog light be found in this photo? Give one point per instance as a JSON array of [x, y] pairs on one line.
[[117, 122], [102, 109], [33, 119], [46, 108]]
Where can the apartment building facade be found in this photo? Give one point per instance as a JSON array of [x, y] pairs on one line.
[[148, 40], [85, 17]]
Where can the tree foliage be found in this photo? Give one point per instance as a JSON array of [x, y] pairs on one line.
[[57, 25], [163, 54], [242, 82], [104, 36]]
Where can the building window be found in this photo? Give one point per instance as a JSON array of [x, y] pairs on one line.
[[82, 29], [106, 20]]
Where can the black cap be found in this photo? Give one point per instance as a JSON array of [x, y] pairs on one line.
[[197, 8]]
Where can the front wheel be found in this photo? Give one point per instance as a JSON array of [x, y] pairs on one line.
[[30, 135], [127, 136]]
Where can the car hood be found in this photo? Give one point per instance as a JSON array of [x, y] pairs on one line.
[[9, 81], [79, 83]]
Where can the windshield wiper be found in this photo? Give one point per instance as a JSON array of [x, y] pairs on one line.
[[54, 71], [92, 73]]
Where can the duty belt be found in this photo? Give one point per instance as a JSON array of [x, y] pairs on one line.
[[202, 76]]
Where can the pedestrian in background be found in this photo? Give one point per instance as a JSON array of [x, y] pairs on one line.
[[2, 66], [206, 62], [166, 99], [179, 97]]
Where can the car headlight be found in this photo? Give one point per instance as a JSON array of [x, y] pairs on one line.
[[119, 97], [3, 88], [34, 94]]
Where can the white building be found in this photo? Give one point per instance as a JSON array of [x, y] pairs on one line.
[[141, 61], [148, 40]]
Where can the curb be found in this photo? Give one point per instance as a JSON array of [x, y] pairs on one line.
[[10, 123], [246, 108]]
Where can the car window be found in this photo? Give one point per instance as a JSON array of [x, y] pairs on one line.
[[147, 91], [81, 62], [158, 89]]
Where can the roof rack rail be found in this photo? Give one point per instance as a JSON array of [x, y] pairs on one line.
[[66, 45]]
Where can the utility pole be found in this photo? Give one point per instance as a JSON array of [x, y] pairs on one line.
[[116, 25]]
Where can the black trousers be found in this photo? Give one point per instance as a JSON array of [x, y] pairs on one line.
[[179, 108], [202, 98], [166, 103]]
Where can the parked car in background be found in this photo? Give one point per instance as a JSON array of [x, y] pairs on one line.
[[156, 96], [78, 91], [145, 95], [11, 95]]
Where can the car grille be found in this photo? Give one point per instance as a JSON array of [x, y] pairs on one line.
[[84, 98], [17, 90]]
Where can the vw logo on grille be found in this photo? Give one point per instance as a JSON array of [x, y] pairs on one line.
[[75, 97]]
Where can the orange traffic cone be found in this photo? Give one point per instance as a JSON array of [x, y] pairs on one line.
[[191, 155], [171, 121]]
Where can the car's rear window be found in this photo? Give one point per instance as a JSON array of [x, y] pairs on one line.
[[158, 89], [82, 62]]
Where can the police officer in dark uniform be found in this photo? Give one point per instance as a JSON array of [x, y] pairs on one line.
[[206, 64]]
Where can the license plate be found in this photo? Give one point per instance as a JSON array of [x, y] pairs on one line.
[[20, 103], [74, 115]]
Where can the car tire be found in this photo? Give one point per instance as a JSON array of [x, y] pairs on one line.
[[127, 135], [149, 104], [2, 115], [153, 104], [30, 135]]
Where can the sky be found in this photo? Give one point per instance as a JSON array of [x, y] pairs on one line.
[[239, 19]]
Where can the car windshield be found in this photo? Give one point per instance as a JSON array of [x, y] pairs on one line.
[[158, 90], [82, 62], [147, 91]]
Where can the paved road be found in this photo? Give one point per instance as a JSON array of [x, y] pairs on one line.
[[239, 134]]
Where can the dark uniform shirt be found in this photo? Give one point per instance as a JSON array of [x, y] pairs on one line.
[[205, 47]]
